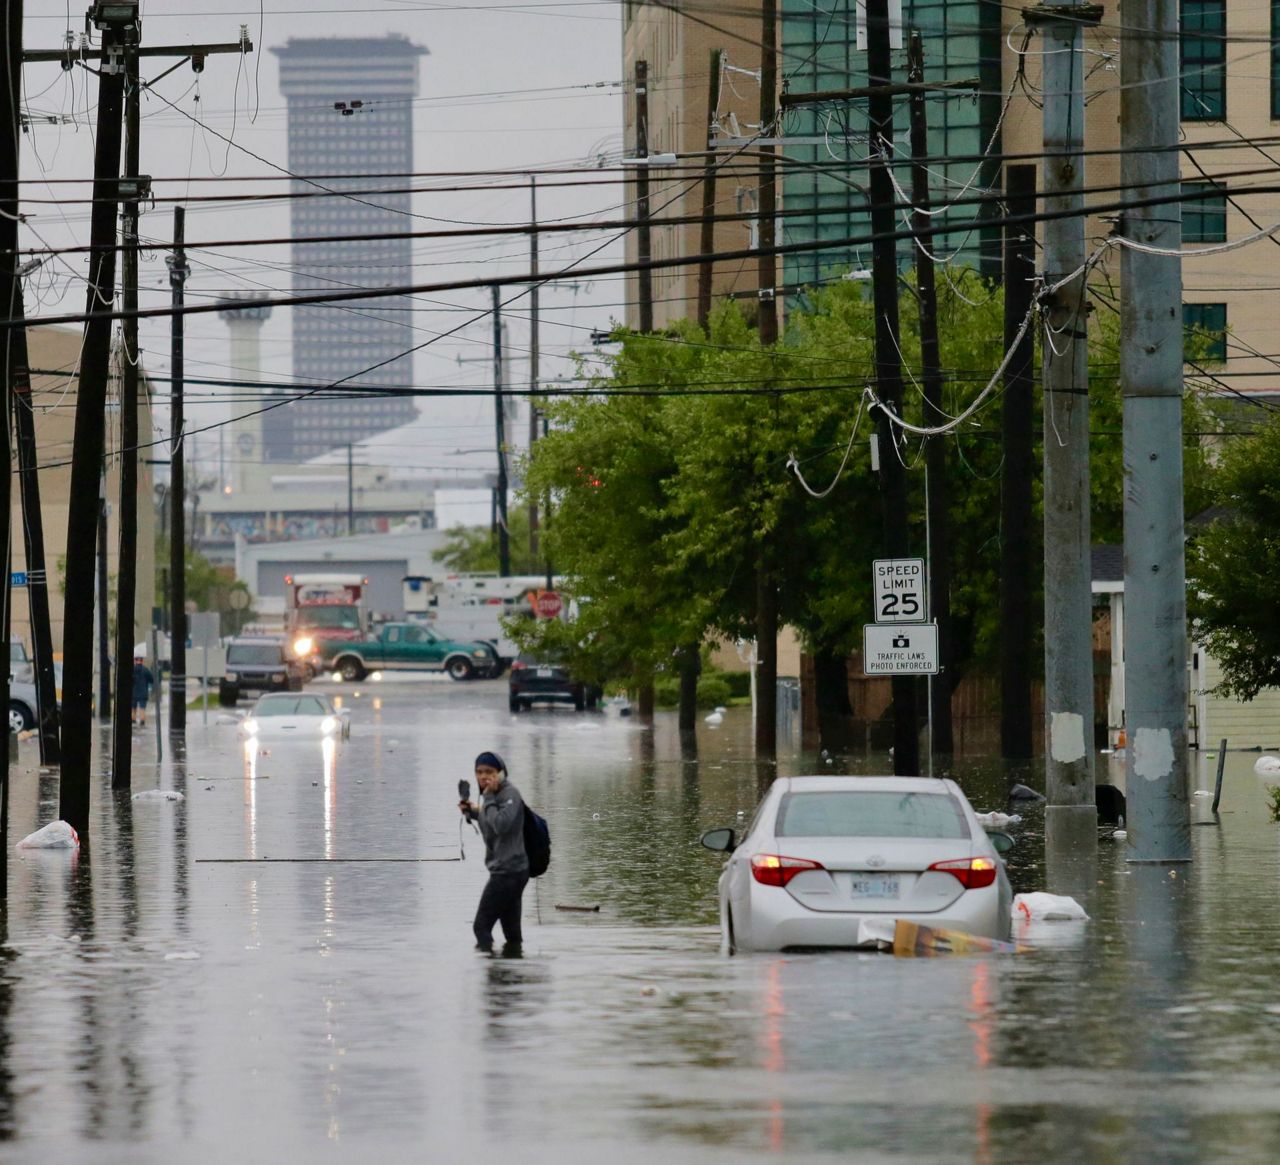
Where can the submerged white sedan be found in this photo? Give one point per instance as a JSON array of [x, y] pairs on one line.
[[300, 715], [825, 855]]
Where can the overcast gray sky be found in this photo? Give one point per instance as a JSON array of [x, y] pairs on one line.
[[504, 85]]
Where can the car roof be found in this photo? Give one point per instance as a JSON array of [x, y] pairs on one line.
[[259, 639], [869, 784]]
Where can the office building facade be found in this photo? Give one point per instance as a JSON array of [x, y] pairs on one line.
[[350, 118]]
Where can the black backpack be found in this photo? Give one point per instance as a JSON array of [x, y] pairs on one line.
[[537, 842]]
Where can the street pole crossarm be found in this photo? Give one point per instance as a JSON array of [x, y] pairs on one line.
[[195, 51], [1084, 15], [893, 89]]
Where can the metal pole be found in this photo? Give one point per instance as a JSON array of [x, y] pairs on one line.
[[906, 742], [127, 569], [351, 493], [500, 432], [178, 271], [644, 276], [707, 234], [1155, 642], [1068, 599], [204, 696]]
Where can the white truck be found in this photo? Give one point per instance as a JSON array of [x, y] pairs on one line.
[[472, 606]]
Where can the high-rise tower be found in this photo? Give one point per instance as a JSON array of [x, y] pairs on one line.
[[350, 118]]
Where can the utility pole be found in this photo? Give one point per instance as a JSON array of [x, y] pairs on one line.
[[351, 493], [1068, 598], [1016, 425], [126, 578], [707, 234], [178, 272], [884, 286], [104, 608], [33, 540], [766, 728], [10, 143], [117, 25], [533, 356], [500, 434], [644, 250], [938, 493], [1155, 625]]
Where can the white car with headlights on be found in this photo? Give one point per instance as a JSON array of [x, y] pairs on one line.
[[824, 854], [296, 715]]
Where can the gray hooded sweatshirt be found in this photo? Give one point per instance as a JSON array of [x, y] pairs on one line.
[[502, 827]]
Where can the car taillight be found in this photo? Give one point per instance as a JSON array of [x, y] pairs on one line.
[[776, 870], [971, 873], [517, 665]]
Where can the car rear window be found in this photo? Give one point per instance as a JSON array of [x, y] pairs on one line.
[[291, 706], [853, 813]]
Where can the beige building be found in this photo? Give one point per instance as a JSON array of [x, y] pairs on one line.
[[55, 352], [677, 46]]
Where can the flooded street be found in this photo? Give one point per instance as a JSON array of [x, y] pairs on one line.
[[283, 962]]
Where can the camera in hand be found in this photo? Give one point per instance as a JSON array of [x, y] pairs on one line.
[[464, 794]]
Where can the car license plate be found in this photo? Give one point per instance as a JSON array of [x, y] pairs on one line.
[[544, 673], [876, 887]]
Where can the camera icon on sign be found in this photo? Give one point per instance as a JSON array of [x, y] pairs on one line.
[[901, 641]]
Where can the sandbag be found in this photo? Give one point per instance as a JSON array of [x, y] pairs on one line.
[[1042, 907]]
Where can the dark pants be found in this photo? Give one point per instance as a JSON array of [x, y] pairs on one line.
[[500, 902]]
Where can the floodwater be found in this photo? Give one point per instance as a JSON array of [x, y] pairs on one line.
[[282, 964]]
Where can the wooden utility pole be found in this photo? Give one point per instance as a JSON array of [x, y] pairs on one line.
[[104, 606], [707, 234], [906, 741], [10, 143], [126, 577], [938, 494], [644, 249], [33, 543], [500, 436], [766, 735], [1016, 434], [533, 357], [178, 272], [90, 426]]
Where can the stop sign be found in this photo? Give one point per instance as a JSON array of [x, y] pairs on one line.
[[547, 605]]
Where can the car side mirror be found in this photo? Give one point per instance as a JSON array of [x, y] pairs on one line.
[[720, 840], [1001, 842]]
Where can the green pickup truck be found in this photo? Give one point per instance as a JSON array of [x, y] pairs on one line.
[[406, 647]]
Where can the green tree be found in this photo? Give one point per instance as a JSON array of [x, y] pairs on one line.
[[1233, 566], [474, 549], [208, 586]]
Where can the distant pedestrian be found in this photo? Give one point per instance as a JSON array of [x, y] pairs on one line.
[[143, 682], [500, 815]]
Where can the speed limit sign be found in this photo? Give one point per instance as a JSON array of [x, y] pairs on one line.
[[899, 590]]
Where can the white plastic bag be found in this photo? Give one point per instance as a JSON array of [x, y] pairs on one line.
[[998, 820], [1042, 907], [159, 795], [55, 835]]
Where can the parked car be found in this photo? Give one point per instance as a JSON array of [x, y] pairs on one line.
[[534, 678], [303, 716], [22, 706], [20, 666], [258, 664], [406, 647], [824, 853]]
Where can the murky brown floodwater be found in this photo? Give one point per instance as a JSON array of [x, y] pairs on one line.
[[283, 961]]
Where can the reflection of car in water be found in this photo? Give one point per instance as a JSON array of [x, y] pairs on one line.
[[825, 854], [304, 716], [258, 664], [534, 678]]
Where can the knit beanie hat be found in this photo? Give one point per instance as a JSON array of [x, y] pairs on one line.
[[491, 760]]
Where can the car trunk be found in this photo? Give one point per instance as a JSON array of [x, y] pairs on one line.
[[875, 875]]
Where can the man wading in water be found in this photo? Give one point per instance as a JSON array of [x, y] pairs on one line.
[[500, 816]]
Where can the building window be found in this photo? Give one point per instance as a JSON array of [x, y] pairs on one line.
[[1204, 213], [1275, 59], [1205, 331], [1203, 60]]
